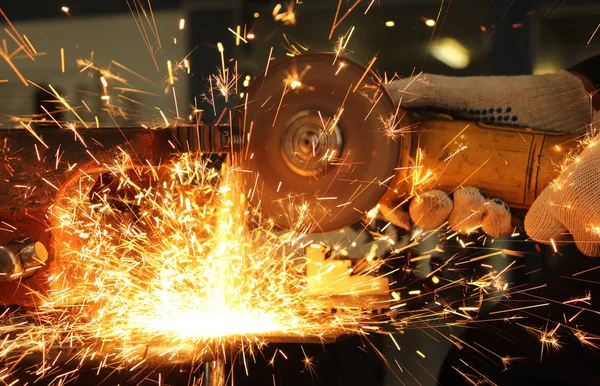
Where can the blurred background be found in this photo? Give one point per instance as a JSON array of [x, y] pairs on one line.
[[129, 42], [453, 37]]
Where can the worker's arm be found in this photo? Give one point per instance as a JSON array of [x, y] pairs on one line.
[[558, 102]]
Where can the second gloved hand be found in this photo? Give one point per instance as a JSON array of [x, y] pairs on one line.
[[571, 204]]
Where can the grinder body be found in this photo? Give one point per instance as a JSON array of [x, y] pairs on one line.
[[513, 164]]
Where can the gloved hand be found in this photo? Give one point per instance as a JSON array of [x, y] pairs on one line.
[[557, 102], [570, 204], [466, 212]]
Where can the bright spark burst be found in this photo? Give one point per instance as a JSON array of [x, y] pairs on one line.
[[172, 258], [288, 16]]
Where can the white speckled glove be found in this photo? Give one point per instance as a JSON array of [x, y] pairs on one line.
[[571, 204], [557, 102], [467, 212]]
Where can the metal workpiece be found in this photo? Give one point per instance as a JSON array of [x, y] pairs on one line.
[[21, 261], [8, 264], [207, 139], [32, 256]]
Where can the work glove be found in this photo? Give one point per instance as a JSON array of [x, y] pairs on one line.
[[570, 204], [556, 102]]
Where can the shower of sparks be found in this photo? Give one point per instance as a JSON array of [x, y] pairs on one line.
[[166, 261], [175, 269], [23, 45]]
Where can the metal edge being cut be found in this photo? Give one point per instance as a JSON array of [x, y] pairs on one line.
[[340, 153]]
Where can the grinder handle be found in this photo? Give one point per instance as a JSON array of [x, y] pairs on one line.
[[513, 164]]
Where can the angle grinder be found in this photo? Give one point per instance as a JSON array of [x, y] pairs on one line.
[[322, 130]]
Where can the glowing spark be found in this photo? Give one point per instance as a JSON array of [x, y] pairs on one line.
[[419, 258], [164, 118], [62, 60], [419, 175], [28, 127], [8, 60], [170, 70], [395, 343], [390, 23], [238, 36], [341, 44], [269, 61], [175, 101], [365, 73], [520, 308], [67, 105], [369, 7], [430, 23], [593, 34], [181, 23], [50, 115], [29, 44], [337, 22], [50, 183], [295, 84], [288, 17]]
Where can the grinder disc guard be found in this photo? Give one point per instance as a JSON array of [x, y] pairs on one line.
[[314, 139]]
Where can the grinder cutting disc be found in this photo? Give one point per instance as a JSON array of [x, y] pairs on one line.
[[317, 138]]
